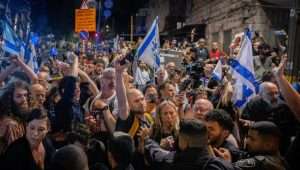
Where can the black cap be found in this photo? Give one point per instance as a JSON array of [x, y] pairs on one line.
[[193, 127], [122, 147]]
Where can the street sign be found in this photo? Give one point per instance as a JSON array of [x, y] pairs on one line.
[[85, 19], [84, 35]]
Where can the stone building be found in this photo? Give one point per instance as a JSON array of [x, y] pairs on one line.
[[224, 18]]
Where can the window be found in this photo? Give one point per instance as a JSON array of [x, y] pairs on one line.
[[227, 40]]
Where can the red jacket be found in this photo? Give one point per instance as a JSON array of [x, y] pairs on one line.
[[216, 54]]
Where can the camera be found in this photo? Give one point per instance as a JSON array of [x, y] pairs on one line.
[[195, 71], [152, 98], [99, 112]]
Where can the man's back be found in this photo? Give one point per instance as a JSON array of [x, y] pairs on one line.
[[198, 159], [266, 162]]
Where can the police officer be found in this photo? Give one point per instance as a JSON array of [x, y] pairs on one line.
[[263, 146], [193, 153]]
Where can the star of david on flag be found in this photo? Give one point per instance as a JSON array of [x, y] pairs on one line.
[[246, 85], [148, 51]]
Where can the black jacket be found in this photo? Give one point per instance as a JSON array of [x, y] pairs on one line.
[[19, 156], [261, 162], [198, 159], [190, 159]]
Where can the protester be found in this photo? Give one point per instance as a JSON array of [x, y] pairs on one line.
[[125, 114], [263, 142], [69, 157], [166, 125], [220, 127], [14, 110], [215, 54], [120, 151], [202, 51], [193, 145], [151, 97], [33, 151]]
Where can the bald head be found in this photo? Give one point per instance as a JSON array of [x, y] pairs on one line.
[[136, 101], [43, 75], [201, 108], [38, 93], [269, 92], [43, 79]]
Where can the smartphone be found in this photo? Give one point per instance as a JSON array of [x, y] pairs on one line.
[[128, 58]]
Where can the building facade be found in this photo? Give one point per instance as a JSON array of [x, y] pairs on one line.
[[224, 18]]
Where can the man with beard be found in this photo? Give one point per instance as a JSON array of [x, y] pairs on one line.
[[267, 106], [262, 143], [220, 125], [260, 108], [14, 106], [107, 90], [193, 150], [131, 112]]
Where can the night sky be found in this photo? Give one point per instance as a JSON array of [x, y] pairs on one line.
[[57, 16]]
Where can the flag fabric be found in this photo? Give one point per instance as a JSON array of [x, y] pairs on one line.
[[31, 58], [245, 86], [141, 76], [11, 41], [148, 51], [116, 43], [217, 73]]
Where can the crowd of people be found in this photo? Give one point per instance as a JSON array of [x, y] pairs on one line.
[[101, 112]]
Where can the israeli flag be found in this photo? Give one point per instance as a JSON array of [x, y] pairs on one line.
[[217, 73], [148, 51], [116, 43], [32, 59], [245, 85], [11, 41], [30, 56]]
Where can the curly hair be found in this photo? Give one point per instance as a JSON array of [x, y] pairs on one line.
[[7, 105]]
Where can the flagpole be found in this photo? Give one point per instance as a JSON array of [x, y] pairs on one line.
[[131, 28]]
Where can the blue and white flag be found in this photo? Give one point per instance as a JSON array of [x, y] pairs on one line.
[[116, 43], [148, 51], [217, 73], [11, 40], [245, 86], [32, 59]]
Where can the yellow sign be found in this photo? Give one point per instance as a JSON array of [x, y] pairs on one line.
[[85, 20]]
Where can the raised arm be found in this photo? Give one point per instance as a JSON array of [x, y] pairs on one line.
[[8, 71], [75, 69], [86, 78], [27, 70], [121, 91], [290, 95]]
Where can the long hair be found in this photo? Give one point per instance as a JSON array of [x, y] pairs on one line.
[[7, 104], [158, 124]]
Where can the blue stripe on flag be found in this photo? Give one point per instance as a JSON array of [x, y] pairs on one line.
[[11, 46], [147, 42], [243, 71], [247, 92]]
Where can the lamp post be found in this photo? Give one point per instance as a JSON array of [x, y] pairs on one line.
[[99, 16]]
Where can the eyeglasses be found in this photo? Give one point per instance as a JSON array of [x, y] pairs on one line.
[[99, 111]]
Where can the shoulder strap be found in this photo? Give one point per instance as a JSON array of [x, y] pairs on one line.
[[134, 128], [149, 118]]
